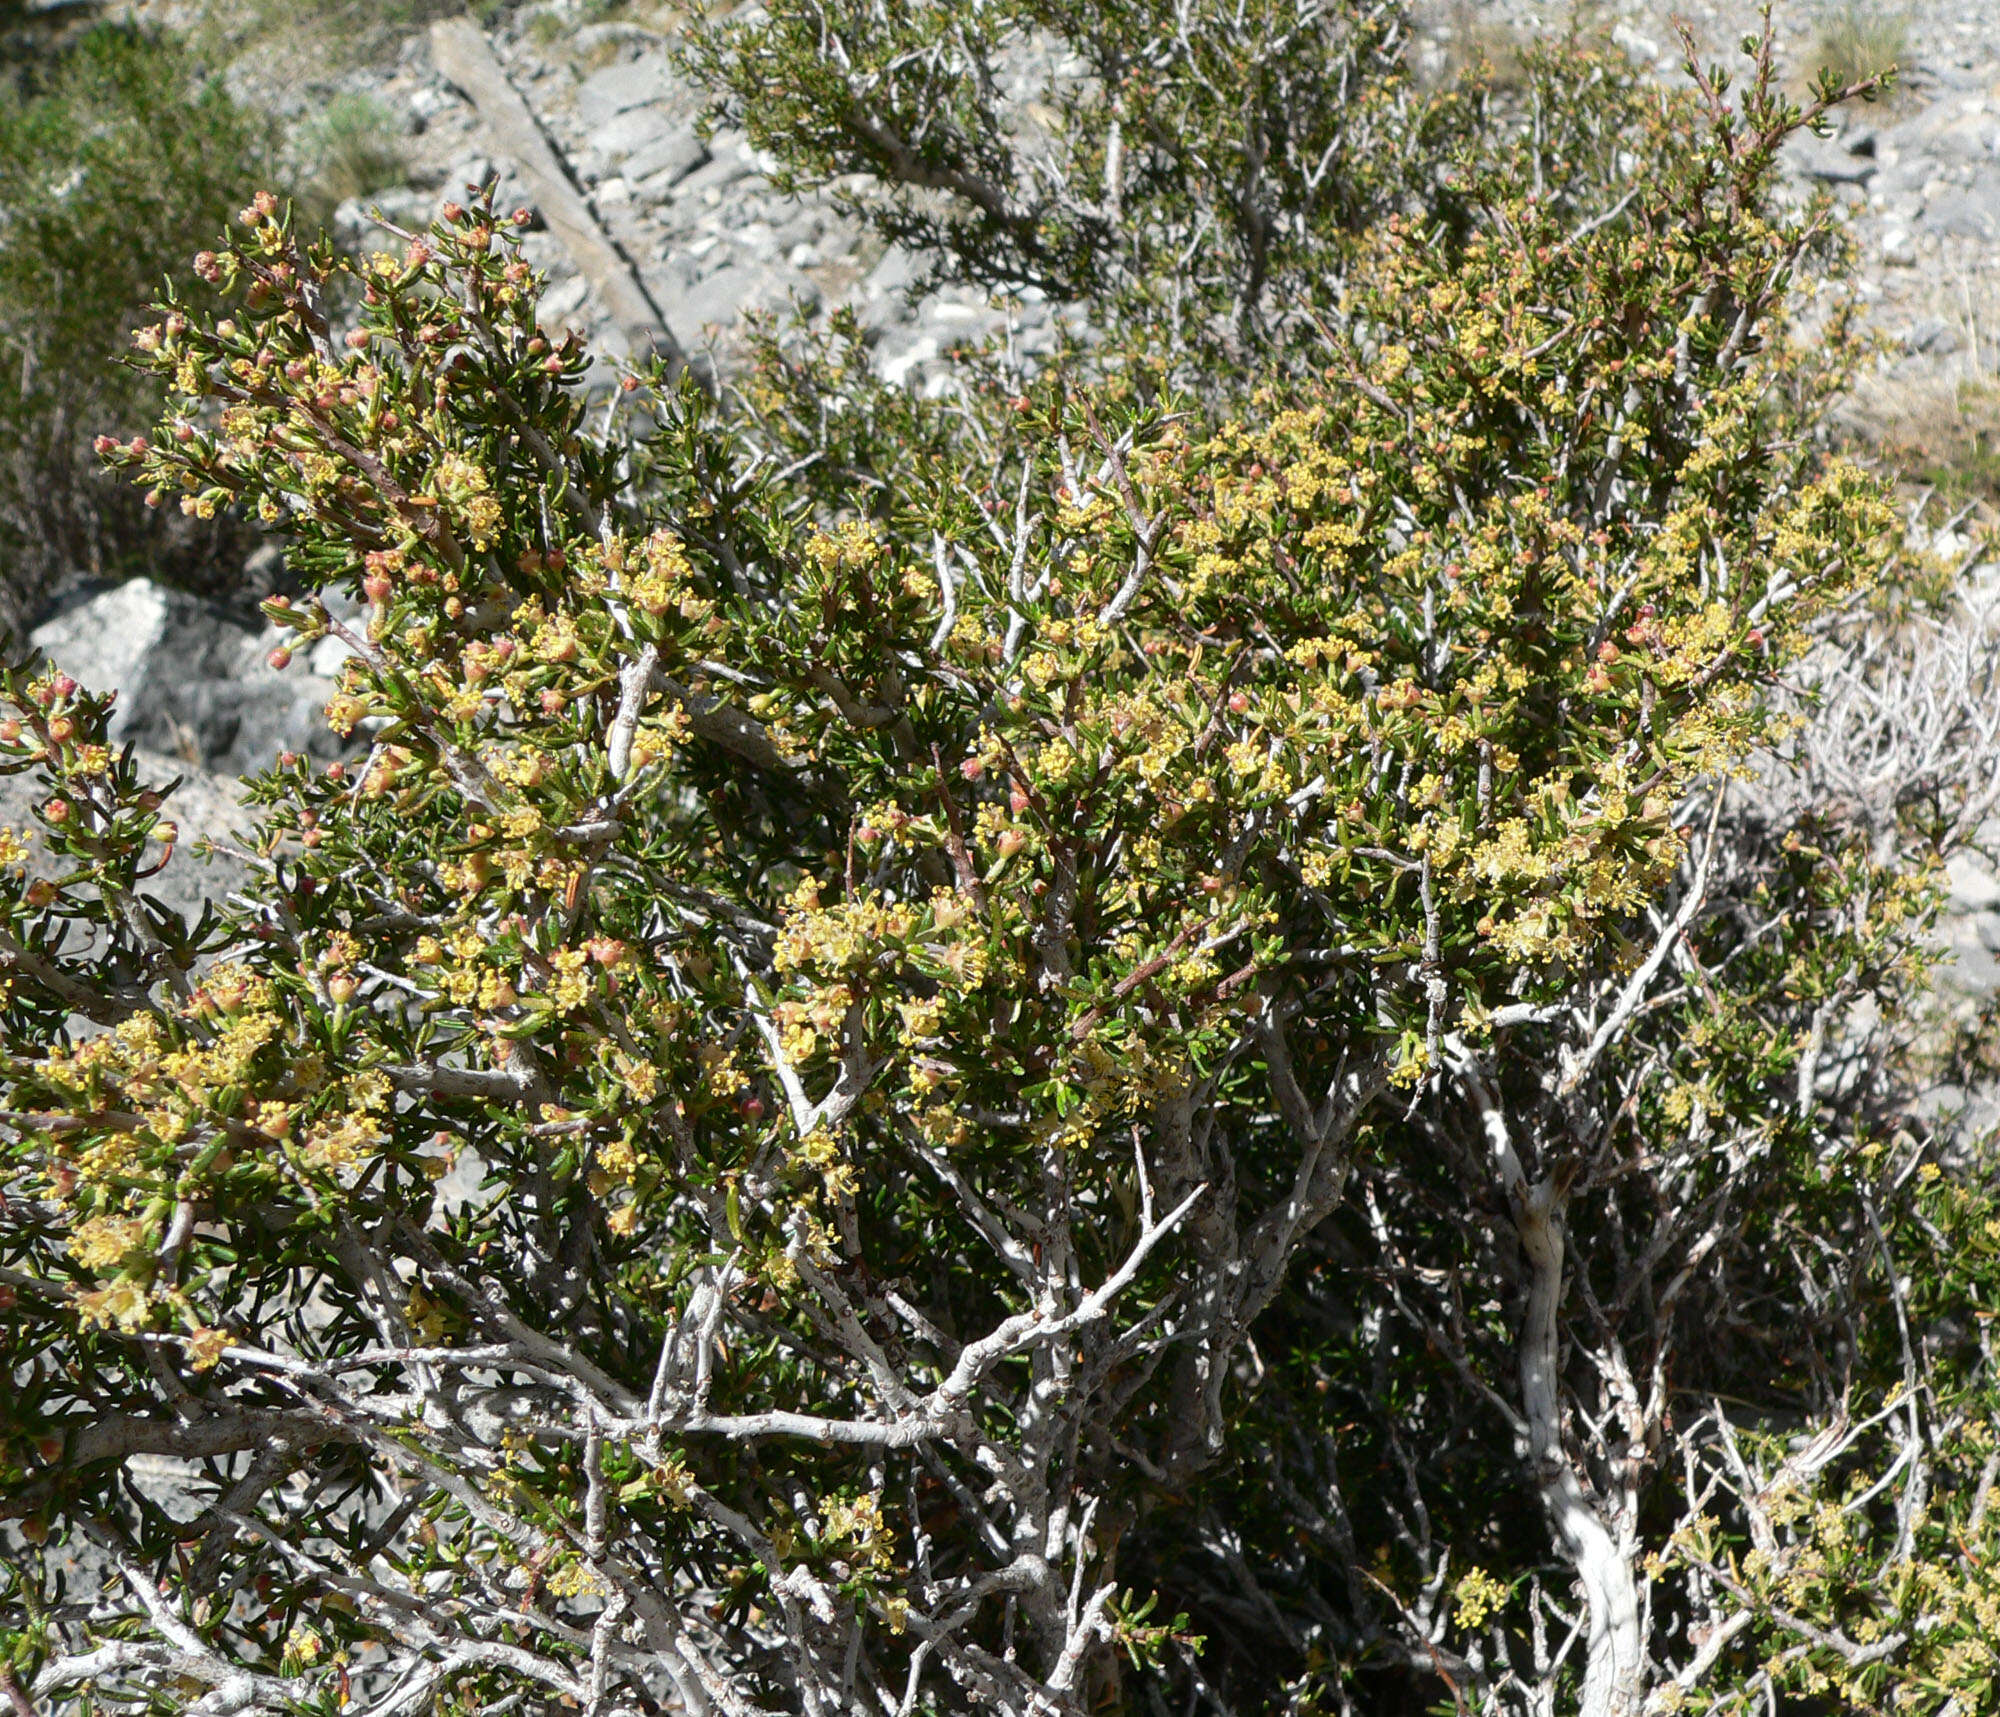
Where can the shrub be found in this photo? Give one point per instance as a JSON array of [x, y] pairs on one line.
[[754, 1153], [116, 162]]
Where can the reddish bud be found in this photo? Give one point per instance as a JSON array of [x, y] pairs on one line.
[[1009, 842], [56, 810], [41, 893], [264, 203], [376, 587], [336, 770], [753, 1107], [630, 384], [605, 950], [553, 702], [357, 339], [453, 212], [280, 658], [1017, 799], [524, 217], [553, 364], [341, 988], [1607, 651], [10, 732], [1238, 703], [62, 730], [867, 834], [102, 445], [137, 445], [63, 686], [183, 433], [972, 768]]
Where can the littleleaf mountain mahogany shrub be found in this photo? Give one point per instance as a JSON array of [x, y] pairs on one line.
[[923, 1032]]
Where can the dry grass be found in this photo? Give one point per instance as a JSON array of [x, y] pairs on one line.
[[1934, 423], [1859, 39], [1939, 432]]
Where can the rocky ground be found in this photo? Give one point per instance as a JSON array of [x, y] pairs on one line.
[[710, 238]]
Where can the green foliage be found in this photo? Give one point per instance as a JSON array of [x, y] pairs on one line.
[[1192, 170], [935, 1030], [116, 160]]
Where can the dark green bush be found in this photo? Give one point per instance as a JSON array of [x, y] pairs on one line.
[[118, 158]]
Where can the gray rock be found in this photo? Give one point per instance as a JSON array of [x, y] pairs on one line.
[[1972, 211], [664, 163], [626, 133], [1934, 336], [728, 166], [604, 95], [1828, 160], [110, 643], [192, 680], [718, 300]]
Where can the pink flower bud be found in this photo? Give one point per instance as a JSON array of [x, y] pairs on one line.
[[340, 988], [103, 445], [553, 702], [357, 339], [63, 686], [453, 212], [972, 768], [10, 732], [376, 587], [62, 730], [280, 658], [57, 811]]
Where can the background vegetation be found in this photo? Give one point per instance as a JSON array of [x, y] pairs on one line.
[[119, 157]]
